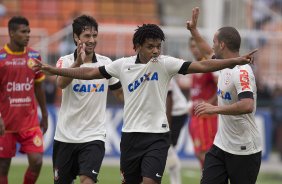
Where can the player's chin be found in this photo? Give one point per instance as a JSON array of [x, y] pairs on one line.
[[89, 50]]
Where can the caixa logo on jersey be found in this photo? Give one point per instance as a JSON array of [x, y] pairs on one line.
[[20, 86], [224, 94], [88, 88], [146, 77]]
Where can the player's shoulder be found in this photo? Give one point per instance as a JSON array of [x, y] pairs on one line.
[[3, 54], [164, 58], [32, 53], [247, 67], [69, 57], [103, 59], [128, 59]]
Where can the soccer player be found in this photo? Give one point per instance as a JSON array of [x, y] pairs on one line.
[[236, 153], [19, 85], [177, 115], [144, 79], [203, 88], [79, 145]]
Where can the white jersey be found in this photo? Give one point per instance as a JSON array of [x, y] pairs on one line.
[[180, 104], [237, 134], [83, 109], [145, 88]]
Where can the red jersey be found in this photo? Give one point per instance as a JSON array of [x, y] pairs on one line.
[[18, 106], [203, 87]]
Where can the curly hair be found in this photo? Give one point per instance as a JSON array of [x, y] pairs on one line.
[[147, 31]]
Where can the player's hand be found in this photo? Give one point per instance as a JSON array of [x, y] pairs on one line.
[[247, 59], [44, 124], [204, 108], [192, 24], [80, 53], [2, 127], [40, 66]]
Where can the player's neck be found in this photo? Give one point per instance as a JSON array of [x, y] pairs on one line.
[[88, 58], [228, 55], [15, 48]]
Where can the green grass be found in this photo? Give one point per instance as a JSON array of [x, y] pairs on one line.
[[110, 175]]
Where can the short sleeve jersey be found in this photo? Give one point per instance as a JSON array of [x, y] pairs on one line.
[[18, 106], [237, 134], [180, 104], [145, 88], [83, 109]]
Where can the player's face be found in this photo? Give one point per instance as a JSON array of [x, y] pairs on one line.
[[195, 50], [216, 47], [89, 37], [21, 36], [149, 49]]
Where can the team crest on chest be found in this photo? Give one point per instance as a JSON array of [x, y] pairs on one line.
[[30, 63], [227, 78]]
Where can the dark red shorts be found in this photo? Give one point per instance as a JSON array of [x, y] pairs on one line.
[[202, 131], [30, 142]]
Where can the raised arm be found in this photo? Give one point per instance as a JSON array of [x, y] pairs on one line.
[[203, 46], [219, 64]]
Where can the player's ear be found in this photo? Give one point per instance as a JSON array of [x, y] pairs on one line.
[[76, 38], [221, 45], [137, 47]]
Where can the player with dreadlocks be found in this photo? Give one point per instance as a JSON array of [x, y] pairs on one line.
[[144, 78]]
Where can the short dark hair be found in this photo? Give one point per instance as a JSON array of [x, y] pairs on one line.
[[82, 22], [15, 21], [147, 31], [231, 37]]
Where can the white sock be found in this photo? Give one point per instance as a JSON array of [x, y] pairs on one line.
[[173, 166]]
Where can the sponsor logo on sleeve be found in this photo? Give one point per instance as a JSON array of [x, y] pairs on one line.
[[244, 79], [3, 56], [33, 54]]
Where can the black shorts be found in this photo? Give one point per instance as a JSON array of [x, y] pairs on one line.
[[72, 159], [176, 126], [220, 166], [143, 155]]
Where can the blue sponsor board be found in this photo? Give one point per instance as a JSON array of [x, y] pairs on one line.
[[185, 146]]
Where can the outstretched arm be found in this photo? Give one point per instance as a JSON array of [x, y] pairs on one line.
[[219, 64], [84, 73], [77, 73], [203, 46]]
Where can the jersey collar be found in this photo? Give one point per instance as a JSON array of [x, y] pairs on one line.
[[9, 51], [137, 61], [94, 59]]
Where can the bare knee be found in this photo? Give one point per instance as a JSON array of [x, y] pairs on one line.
[[35, 161], [86, 180], [149, 181], [4, 166]]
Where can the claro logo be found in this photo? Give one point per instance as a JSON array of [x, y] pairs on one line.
[[14, 86]]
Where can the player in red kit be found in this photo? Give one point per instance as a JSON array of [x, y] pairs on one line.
[[203, 88], [19, 85]]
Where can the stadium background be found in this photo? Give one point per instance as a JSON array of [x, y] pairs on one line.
[[259, 23]]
